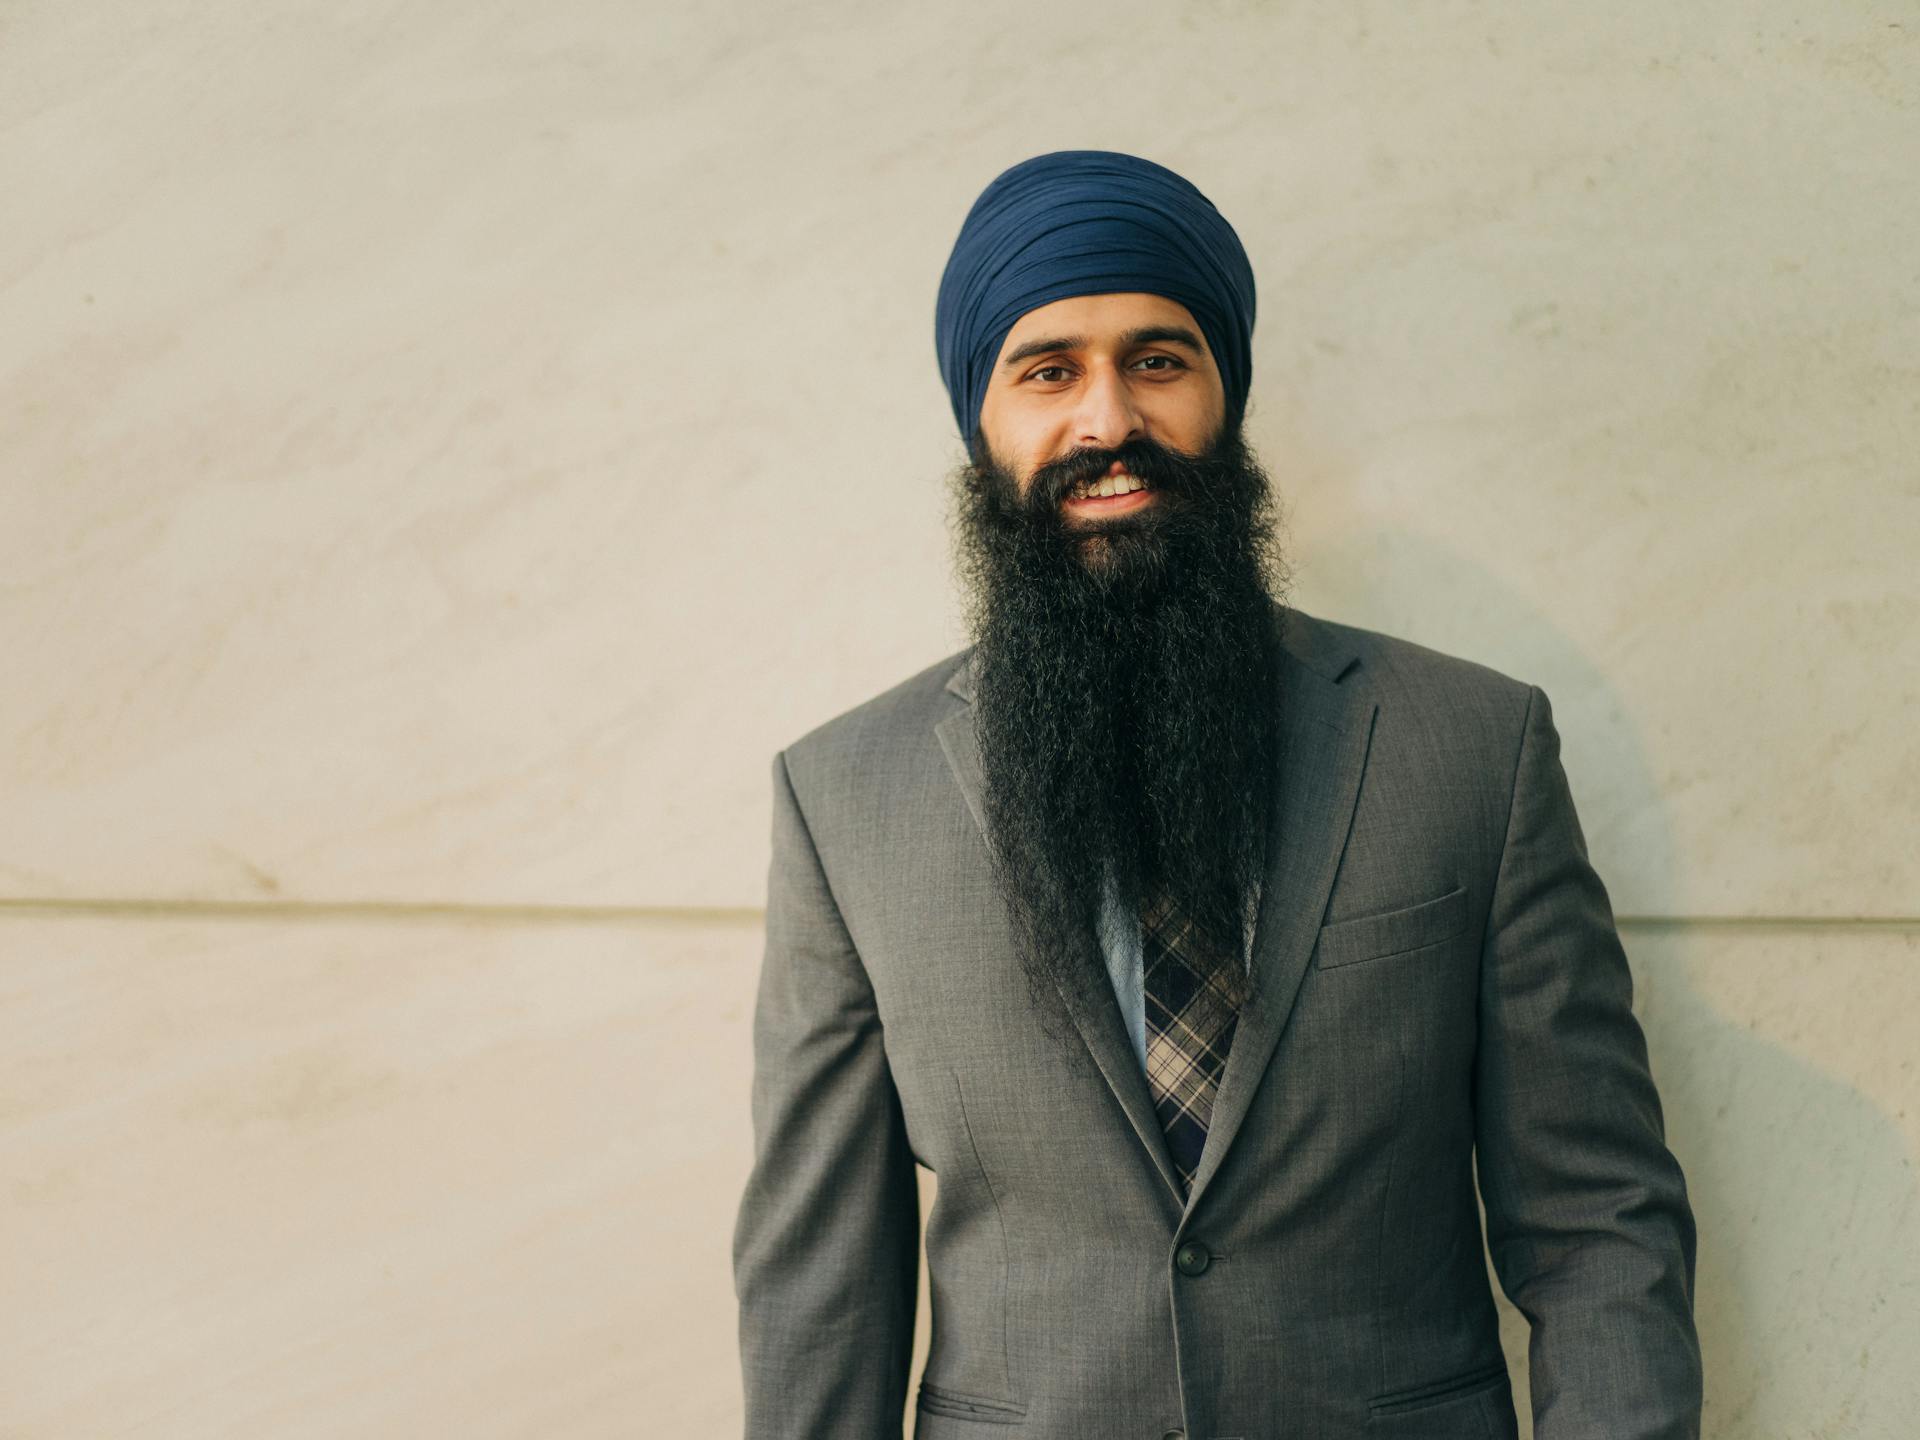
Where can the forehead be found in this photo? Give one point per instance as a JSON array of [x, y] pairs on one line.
[[1100, 319]]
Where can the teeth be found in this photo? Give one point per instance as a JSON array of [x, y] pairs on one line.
[[1122, 484]]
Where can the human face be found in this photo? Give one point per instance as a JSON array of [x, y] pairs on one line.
[[1092, 372]]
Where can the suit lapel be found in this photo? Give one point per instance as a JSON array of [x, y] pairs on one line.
[[1092, 1006], [1326, 729], [1325, 732]]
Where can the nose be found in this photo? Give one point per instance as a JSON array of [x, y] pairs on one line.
[[1107, 416]]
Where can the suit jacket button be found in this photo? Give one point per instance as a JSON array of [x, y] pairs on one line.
[[1174, 1435], [1192, 1258]]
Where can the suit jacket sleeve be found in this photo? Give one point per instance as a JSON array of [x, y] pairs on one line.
[[826, 1242], [1588, 1223]]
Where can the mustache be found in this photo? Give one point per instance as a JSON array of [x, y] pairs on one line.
[[1160, 466]]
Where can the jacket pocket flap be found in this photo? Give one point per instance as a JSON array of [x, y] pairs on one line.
[[1393, 932], [1445, 1392], [938, 1400]]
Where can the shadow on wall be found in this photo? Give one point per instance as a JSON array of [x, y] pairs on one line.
[[1807, 1293], [1804, 1189]]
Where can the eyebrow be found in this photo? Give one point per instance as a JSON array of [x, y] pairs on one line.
[[1139, 335]]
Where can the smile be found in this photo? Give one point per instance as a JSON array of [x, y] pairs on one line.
[[1111, 494]]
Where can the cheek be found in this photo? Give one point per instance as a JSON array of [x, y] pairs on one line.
[[1202, 405], [1025, 448]]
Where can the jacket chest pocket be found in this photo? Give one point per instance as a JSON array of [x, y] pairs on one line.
[[1392, 932]]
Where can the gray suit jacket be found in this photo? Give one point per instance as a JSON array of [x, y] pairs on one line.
[[1442, 979]]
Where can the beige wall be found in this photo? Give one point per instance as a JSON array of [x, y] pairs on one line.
[[448, 448]]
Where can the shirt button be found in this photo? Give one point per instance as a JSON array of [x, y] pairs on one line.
[[1192, 1258]]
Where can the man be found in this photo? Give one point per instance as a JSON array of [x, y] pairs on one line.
[[1199, 945]]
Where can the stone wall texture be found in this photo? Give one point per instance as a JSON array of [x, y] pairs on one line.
[[446, 449]]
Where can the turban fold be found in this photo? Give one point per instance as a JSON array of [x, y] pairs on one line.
[[1088, 222]]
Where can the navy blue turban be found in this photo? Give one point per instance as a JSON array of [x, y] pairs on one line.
[[1089, 222]]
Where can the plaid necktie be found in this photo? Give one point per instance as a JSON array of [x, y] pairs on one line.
[[1190, 1024]]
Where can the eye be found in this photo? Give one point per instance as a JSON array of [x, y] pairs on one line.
[[1169, 364]]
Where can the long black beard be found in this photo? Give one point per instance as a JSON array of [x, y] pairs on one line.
[[1126, 698]]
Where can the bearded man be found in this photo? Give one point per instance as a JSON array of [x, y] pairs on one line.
[[1198, 945]]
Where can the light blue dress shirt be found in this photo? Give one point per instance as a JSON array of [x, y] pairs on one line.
[[1121, 941]]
